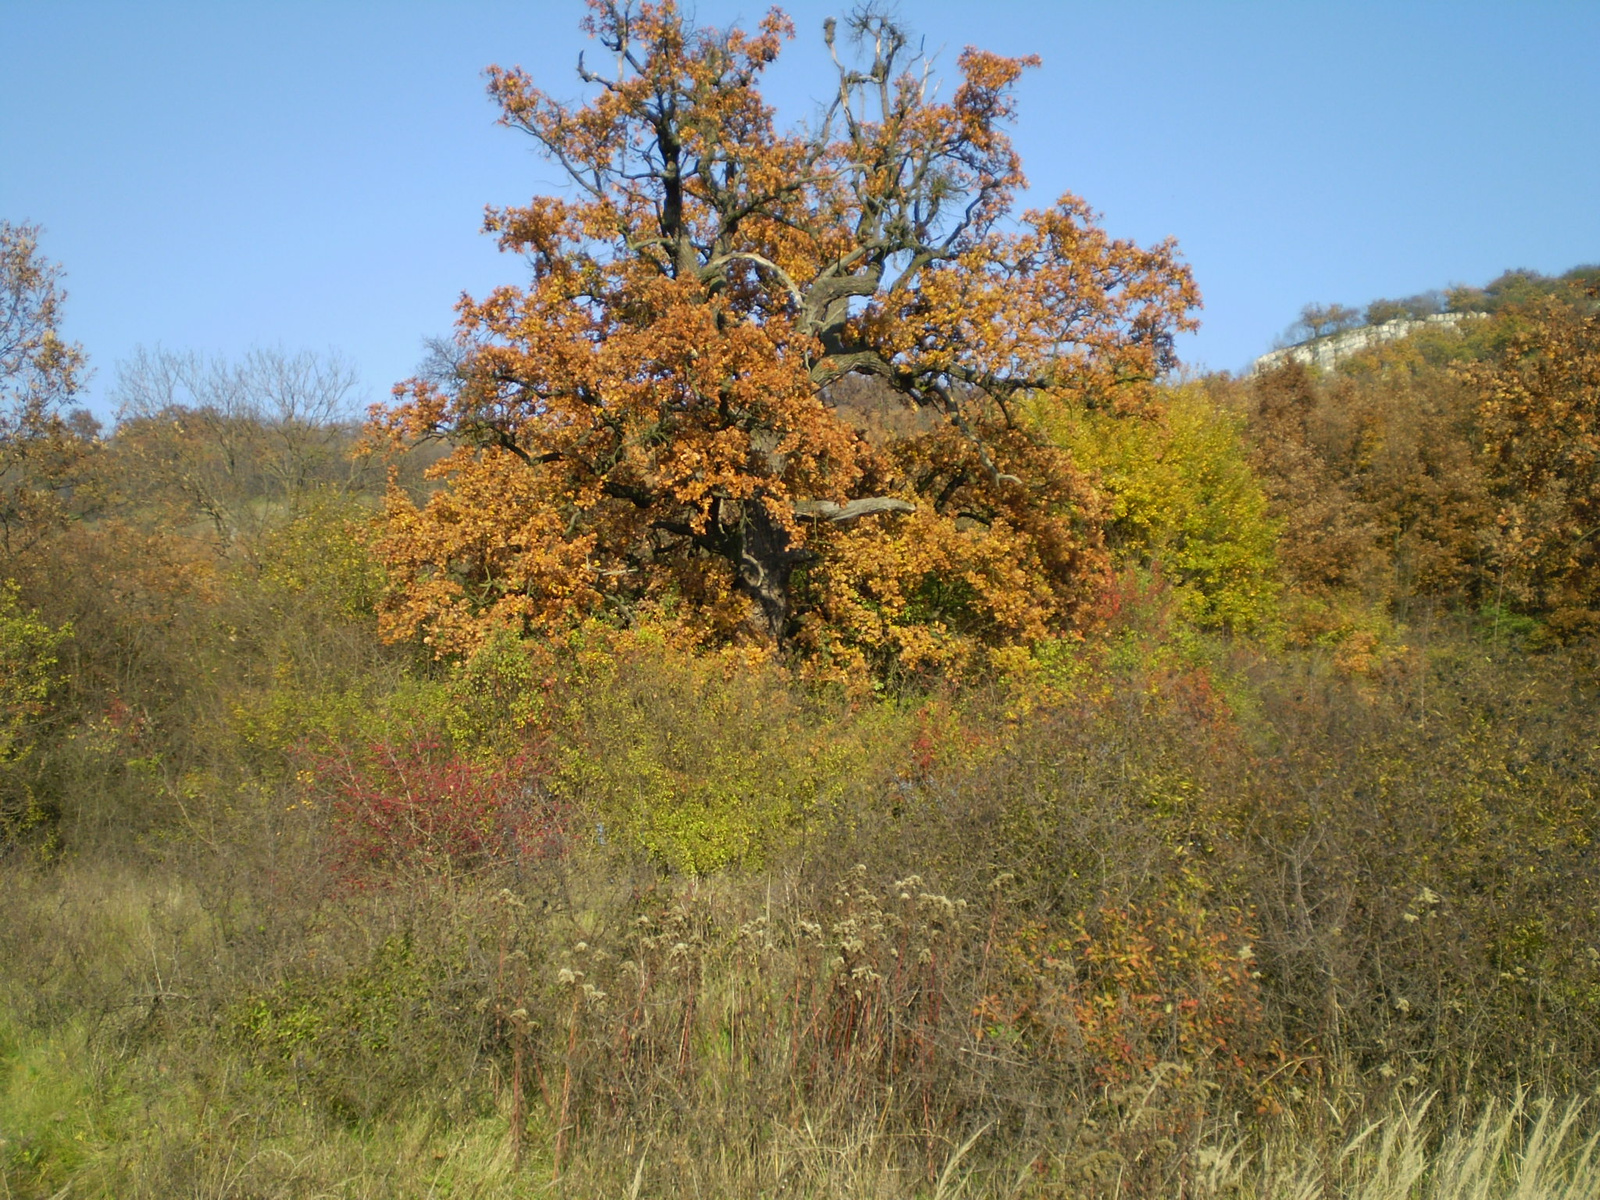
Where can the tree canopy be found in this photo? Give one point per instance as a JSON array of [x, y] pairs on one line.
[[768, 384], [1540, 425], [41, 444]]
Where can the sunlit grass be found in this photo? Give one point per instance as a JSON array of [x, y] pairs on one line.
[[1523, 1149], [119, 1098]]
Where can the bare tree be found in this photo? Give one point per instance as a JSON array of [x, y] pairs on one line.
[[237, 441]]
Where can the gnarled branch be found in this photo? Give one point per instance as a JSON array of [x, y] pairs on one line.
[[867, 506]]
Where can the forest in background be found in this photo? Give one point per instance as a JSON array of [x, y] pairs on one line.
[[741, 722]]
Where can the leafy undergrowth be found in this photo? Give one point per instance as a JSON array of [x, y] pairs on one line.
[[1162, 912], [1186, 921]]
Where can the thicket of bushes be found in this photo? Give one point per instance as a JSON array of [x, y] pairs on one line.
[[1301, 830]]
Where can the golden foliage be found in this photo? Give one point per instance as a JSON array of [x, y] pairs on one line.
[[43, 453], [1540, 416], [1182, 496], [653, 424]]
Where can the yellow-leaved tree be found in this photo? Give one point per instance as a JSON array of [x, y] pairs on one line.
[[653, 428]]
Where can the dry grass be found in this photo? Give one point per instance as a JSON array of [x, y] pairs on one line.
[[124, 1071], [1518, 1150]]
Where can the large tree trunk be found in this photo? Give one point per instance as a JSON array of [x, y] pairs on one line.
[[767, 558]]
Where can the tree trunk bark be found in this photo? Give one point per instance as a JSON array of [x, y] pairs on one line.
[[767, 558]]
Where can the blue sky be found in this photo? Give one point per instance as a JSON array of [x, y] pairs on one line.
[[216, 176]]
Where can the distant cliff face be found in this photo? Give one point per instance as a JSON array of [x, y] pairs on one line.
[[1324, 352]]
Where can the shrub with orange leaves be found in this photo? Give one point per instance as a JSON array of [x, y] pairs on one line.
[[653, 427], [1121, 989]]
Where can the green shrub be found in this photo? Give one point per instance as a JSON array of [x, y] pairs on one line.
[[706, 763]]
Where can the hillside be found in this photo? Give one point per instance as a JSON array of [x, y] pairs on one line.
[[1327, 334], [1330, 349], [701, 740]]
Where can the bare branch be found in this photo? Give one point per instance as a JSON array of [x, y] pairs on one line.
[[766, 264], [867, 506], [952, 409]]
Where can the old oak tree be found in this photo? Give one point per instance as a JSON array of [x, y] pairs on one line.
[[772, 386]]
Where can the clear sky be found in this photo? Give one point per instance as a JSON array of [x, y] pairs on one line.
[[221, 175]]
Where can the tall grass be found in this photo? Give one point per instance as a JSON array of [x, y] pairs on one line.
[[686, 1038], [1158, 917], [1516, 1149]]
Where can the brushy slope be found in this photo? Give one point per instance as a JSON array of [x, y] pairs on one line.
[[1279, 880]]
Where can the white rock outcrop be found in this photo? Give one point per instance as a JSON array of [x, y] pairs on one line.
[[1324, 352]]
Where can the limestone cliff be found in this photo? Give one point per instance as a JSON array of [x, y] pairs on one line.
[[1324, 352]]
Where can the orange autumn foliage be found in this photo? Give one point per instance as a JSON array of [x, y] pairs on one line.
[[1120, 990], [1539, 413], [652, 427]]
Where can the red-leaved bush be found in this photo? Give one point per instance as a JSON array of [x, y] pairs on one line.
[[415, 804]]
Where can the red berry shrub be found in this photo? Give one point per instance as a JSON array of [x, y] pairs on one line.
[[416, 804]]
